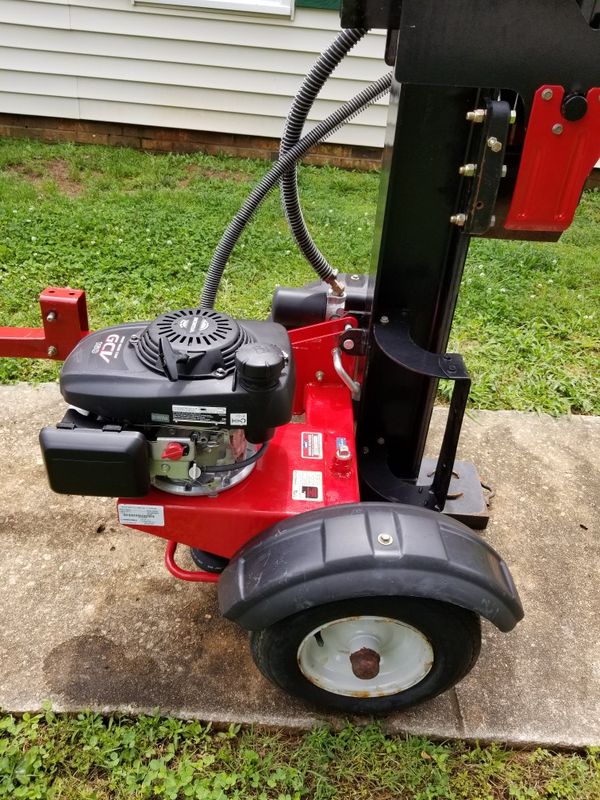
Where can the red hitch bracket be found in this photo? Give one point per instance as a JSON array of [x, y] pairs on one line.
[[65, 321], [558, 156]]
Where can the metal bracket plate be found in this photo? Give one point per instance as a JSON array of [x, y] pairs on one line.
[[394, 339]]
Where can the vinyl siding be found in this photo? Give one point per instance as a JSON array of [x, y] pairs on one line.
[[229, 72]]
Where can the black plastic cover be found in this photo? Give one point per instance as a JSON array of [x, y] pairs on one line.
[[96, 462], [336, 553], [105, 376]]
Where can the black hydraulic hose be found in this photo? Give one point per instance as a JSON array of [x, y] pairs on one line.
[[292, 132], [321, 131]]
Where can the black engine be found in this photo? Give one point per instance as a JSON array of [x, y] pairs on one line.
[[181, 403]]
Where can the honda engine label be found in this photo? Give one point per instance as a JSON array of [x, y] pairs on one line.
[[210, 415]]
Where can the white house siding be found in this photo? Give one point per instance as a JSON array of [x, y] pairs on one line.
[[109, 60]]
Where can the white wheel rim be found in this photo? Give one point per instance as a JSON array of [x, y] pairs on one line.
[[405, 656]]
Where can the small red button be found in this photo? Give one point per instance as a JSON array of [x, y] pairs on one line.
[[174, 451]]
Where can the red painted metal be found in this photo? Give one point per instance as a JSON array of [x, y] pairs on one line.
[[196, 576], [224, 523], [65, 320], [555, 163], [312, 346]]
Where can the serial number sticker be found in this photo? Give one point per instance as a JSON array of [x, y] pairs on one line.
[[311, 445], [307, 485], [152, 516], [213, 415], [238, 419]]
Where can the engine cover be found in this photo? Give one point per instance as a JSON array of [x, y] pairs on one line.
[[193, 366]]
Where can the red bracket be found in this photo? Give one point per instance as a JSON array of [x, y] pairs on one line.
[[65, 320], [557, 158]]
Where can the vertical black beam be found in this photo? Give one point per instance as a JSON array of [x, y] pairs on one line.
[[418, 261]]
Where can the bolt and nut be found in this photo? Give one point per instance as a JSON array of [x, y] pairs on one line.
[[468, 170], [385, 539], [319, 375], [51, 316], [52, 351], [354, 277], [348, 344], [458, 219], [557, 129], [476, 116], [384, 320], [547, 94], [494, 144]]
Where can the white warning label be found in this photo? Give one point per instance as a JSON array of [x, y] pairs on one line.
[[311, 445], [212, 415], [307, 485], [152, 516]]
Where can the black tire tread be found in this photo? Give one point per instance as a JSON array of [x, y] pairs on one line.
[[274, 651]]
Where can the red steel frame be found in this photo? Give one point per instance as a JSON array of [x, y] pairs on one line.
[[65, 320]]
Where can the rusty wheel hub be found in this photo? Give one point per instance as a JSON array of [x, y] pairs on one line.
[[365, 663]]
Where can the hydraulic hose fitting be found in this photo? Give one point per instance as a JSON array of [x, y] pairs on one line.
[[337, 288]]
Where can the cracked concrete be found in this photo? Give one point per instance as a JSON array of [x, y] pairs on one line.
[[90, 618]]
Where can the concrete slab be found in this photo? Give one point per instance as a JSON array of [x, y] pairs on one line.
[[90, 618]]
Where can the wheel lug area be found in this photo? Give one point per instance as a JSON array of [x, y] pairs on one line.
[[365, 663]]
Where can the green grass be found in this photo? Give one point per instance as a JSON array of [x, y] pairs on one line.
[[86, 756], [137, 232]]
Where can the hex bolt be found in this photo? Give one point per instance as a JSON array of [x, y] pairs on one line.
[[513, 117], [494, 144], [557, 129], [468, 170], [504, 170], [354, 277], [165, 467], [547, 94], [348, 344], [476, 116], [52, 351], [384, 320], [385, 539], [51, 316], [319, 375], [492, 220], [458, 219]]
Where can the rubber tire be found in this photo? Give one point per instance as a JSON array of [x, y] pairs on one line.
[[208, 562], [454, 634]]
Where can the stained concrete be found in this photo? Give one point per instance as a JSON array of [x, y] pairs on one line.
[[90, 618]]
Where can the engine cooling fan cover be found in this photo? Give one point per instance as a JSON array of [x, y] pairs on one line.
[[201, 341]]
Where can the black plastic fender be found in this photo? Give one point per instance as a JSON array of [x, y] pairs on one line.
[[365, 550]]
